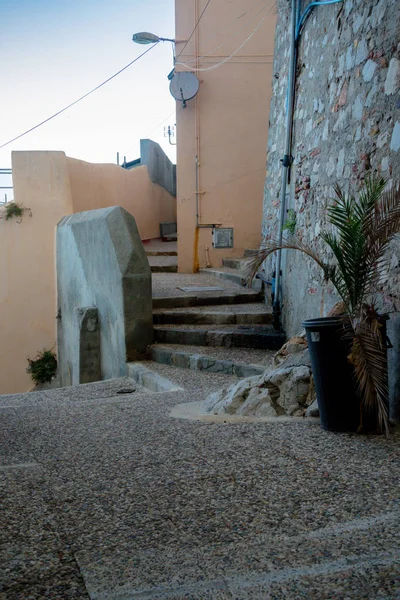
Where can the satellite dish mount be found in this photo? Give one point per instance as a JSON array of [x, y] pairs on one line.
[[184, 86]]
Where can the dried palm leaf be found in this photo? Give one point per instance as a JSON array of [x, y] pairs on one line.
[[270, 246], [368, 356]]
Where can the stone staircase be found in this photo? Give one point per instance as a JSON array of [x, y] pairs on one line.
[[229, 334], [162, 256], [232, 270], [227, 331]]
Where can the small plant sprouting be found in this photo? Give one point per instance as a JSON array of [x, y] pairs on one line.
[[290, 223], [44, 367], [13, 209]]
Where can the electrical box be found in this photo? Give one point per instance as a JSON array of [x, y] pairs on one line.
[[222, 237]]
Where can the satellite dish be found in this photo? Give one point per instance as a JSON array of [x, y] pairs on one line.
[[184, 86]]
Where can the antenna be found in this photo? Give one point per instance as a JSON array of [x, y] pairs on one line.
[[169, 132], [184, 86]]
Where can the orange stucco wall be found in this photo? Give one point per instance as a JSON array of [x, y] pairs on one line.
[[52, 185], [225, 125], [98, 186]]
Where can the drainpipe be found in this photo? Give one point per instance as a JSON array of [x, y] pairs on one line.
[[286, 161], [199, 193]]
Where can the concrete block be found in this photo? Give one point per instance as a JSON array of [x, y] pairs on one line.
[[212, 365], [161, 355], [151, 380], [89, 346], [194, 362], [101, 262], [180, 359]]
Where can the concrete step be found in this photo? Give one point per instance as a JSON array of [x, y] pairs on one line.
[[240, 314], [163, 264], [231, 361], [164, 269], [238, 336], [160, 253], [232, 275], [209, 300], [235, 263], [250, 252]]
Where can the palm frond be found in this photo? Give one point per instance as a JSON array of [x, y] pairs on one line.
[[379, 231], [368, 357], [270, 246]]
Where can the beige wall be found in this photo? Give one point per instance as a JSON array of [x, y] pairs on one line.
[[27, 269], [52, 186], [226, 125], [99, 186]]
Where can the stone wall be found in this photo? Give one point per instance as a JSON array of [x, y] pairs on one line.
[[346, 125]]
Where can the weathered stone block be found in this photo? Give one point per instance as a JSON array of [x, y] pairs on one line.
[[101, 262]]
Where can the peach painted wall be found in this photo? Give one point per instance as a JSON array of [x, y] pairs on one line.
[[27, 268], [52, 186], [226, 125], [100, 185]]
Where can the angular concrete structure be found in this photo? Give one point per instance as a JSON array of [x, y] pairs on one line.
[[101, 263]]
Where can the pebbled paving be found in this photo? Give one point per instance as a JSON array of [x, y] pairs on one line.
[[104, 496]]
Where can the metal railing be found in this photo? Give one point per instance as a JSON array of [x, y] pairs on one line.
[[6, 173]]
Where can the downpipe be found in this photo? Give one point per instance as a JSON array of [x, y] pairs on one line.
[[286, 164]]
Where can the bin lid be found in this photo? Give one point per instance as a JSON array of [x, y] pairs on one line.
[[323, 322]]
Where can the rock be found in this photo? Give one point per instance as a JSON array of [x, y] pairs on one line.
[[293, 385], [282, 391], [392, 82], [357, 108], [395, 141], [296, 344], [369, 70], [297, 359], [313, 410]]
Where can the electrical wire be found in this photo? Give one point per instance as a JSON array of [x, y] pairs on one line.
[[79, 99], [195, 27], [210, 52], [222, 62]]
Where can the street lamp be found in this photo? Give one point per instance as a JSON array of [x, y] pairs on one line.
[[144, 37]]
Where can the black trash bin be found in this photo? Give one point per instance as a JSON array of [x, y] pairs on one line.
[[334, 379]]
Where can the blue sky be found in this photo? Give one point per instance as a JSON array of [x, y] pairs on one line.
[[54, 51]]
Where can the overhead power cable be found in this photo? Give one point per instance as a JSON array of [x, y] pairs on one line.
[[222, 62], [79, 99], [210, 52], [195, 27]]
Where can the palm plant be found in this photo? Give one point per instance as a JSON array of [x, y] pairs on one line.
[[364, 229]]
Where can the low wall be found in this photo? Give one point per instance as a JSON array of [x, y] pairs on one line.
[[27, 268], [99, 186], [53, 186]]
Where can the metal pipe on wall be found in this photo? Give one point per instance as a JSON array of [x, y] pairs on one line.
[[197, 125], [286, 161]]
